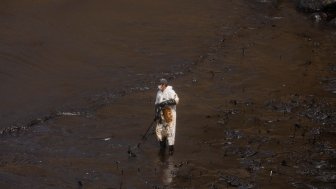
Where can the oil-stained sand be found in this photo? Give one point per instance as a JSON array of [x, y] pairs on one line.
[[257, 108]]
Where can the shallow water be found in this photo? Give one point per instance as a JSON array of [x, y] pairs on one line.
[[78, 84], [62, 54]]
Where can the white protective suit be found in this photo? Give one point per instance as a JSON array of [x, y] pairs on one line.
[[164, 129]]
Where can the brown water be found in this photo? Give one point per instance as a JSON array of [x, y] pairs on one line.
[[55, 53], [255, 79]]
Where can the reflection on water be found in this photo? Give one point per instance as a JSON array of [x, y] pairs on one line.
[[168, 168]]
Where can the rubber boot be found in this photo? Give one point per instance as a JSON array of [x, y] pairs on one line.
[[162, 148], [163, 144], [171, 149]]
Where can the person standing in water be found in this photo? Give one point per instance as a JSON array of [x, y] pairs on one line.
[[165, 115]]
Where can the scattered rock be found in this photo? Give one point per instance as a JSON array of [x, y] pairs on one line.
[[251, 165], [318, 17], [233, 134], [284, 163], [130, 152], [235, 181], [332, 22], [302, 185], [315, 5], [327, 176]]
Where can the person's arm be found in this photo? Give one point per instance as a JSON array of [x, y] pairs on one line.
[[168, 102], [176, 98], [157, 108], [172, 101], [157, 99]]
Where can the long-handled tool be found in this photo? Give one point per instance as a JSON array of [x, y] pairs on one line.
[[157, 117], [144, 137], [158, 110]]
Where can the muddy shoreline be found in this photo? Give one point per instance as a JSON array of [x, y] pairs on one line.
[[257, 111]]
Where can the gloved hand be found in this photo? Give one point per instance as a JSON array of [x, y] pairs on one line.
[[167, 102], [158, 110]]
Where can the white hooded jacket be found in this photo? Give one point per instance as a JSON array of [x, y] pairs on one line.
[[167, 94], [161, 129]]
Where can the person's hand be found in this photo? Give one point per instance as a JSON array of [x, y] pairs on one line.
[[168, 102], [162, 104], [158, 109]]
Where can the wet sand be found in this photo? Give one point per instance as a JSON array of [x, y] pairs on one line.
[[257, 106]]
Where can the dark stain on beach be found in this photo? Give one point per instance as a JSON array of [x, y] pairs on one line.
[[256, 81]]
